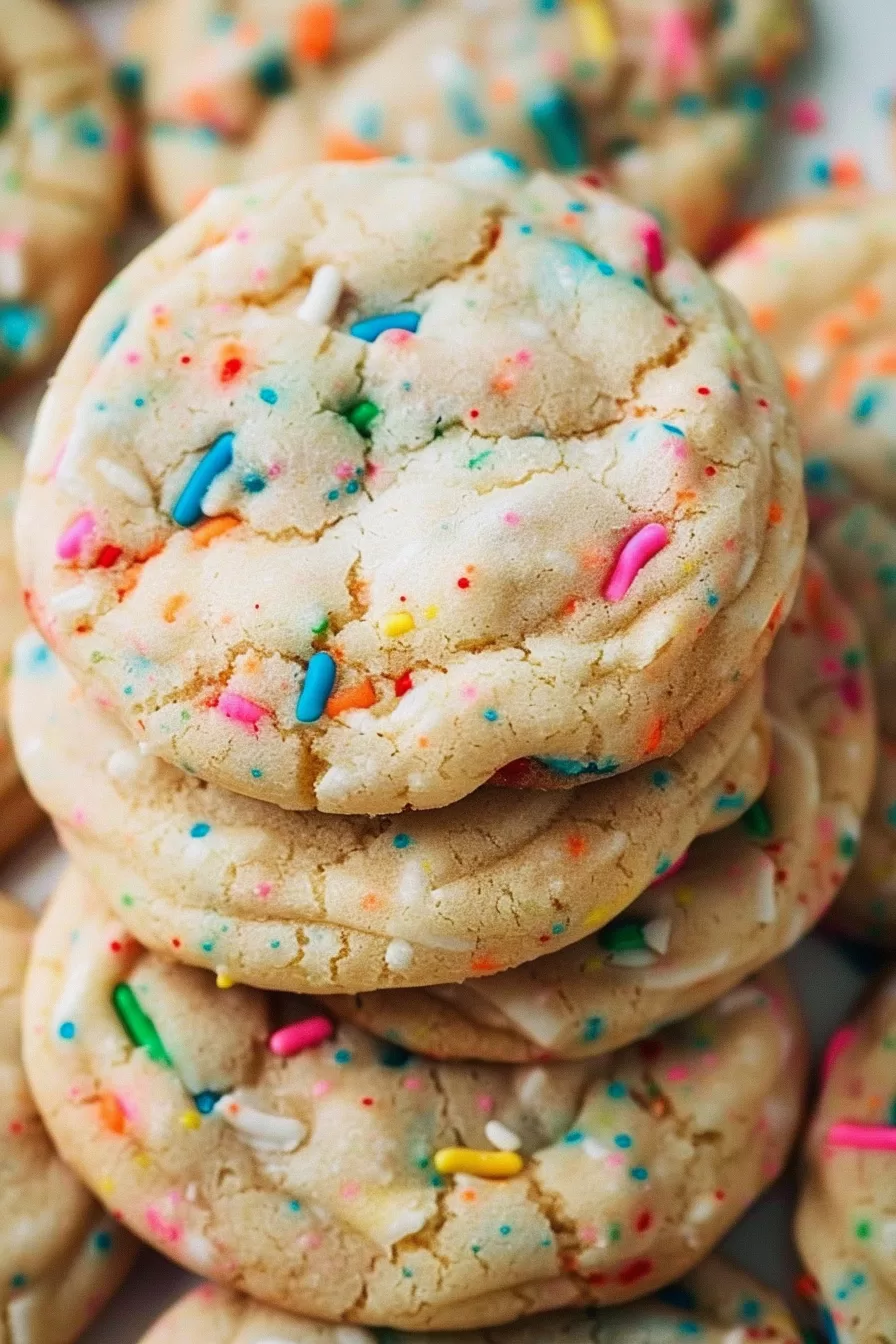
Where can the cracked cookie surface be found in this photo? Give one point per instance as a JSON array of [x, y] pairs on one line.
[[365, 482], [846, 1217], [304, 902], [717, 1302], [61, 1256], [669, 103], [820, 284], [359, 1182], [743, 896], [64, 152]]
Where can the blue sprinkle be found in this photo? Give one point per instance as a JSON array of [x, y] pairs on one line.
[[103, 1242], [199, 830], [294, 1206], [205, 1102], [525, 228], [623, 1140], [89, 131], [671, 429], [490, 714], [638, 1173], [690, 104], [751, 1310], [19, 325], [253, 484], [370, 327], [690, 1328], [269, 395], [576, 207], [255, 772], [18, 1280], [67, 1030], [139, 401], [712, 600], [343, 1056], [556, 119], [660, 778], [188, 509], [402, 841], [616, 1090], [730, 801], [574, 1136], [465, 112], [564, 766], [505, 1230], [820, 172], [593, 1029], [866, 405], [320, 678]]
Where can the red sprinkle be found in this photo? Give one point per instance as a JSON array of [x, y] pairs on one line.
[[463, 583], [403, 684], [230, 368], [107, 556]]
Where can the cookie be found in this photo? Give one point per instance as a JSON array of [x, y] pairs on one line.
[[18, 813], [326, 1171], [669, 105], [844, 1224], [717, 1302], [743, 896], [297, 901], [350, 527], [62, 1257], [65, 153], [820, 284]]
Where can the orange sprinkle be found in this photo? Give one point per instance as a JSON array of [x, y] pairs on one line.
[[207, 532], [814, 590], [173, 606], [775, 512], [199, 105], [835, 330], [468, 1195], [794, 384], [655, 735], [111, 1114], [314, 32], [847, 170], [845, 378], [502, 91], [868, 300], [371, 901], [682, 496], [576, 845], [885, 363], [764, 319], [485, 964], [569, 606], [361, 696], [775, 618], [128, 581], [343, 147]]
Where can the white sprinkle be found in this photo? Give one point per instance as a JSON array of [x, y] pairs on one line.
[[766, 896], [323, 296], [79, 598], [633, 959], [399, 955], [657, 933], [12, 273], [191, 1192], [702, 1209], [502, 1138], [405, 1224], [349, 1334], [531, 1088], [593, 1149], [261, 1130], [126, 482], [483, 165], [810, 361], [125, 763], [23, 1315], [736, 1336]]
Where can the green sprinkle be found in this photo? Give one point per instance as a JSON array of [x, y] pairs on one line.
[[757, 821], [627, 937], [321, 627], [362, 417], [140, 1028]]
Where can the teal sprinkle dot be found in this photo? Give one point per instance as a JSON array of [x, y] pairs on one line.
[[730, 802], [66, 1030], [402, 841], [638, 1173], [593, 1029], [332, 494], [127, 80], [207, 947], [891, 815], [199, 830], [690, 104], [18, 1280], [139, 401], [490, 714], [205, 1102], [253, 484], [273, 76], [351, 488], [557, 929], [255, 772], [865, 406], [848, 846], [690, 1328], [343, 1056], [269, 395], [605, 268], [89, 132], [103, 1242], [751, 1310], [525, 228], [5, 108], [712, 600], [622, 1140], [577, 207], [407, 1273], [275, 944], [617, 1090], [660, 778], [294, 1206], [20, 326], [574, 1136], [505, 1229]]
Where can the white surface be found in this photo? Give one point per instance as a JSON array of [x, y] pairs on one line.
[[850, 69]]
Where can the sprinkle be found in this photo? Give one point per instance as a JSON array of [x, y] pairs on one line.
[[556, 119], [370, 327], [209, 531], [237, 707], [474, 1162], [362, 416], [636, 552], [654, 250], [223, 978], [299, 1036], [657, 933], [503, 1138], [140, 1028], [870, 1138], [397, 624], [840, 1041], [320, 678], [111, 1113], [261, 1129], [314, 34], [399, 955], [627, 937], [596, 29], [322, 299], [757, 821], [70, 544], [191, 1120], [361, 696], [188, 509], [125, 482]]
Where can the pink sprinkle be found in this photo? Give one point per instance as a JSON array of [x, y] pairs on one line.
[[636, 552], [351, 1190], [321, 1088], [654, 247], [485, 1103], [132, 357], [69, 545], [805, 116], [262, 890], [412, 1084], [512, 519], [469, 693], [237, 707], [677, 1073], [676, 40], [311, 1241], [345, 471], [299, 1036], [840, 1041], [871, 1138], [170, 1232]]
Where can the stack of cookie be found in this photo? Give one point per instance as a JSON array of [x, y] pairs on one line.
[[437, 702]]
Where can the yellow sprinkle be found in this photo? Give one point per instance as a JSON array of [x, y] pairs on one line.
[[191, 1120], [431, 613], [106, 1185], [143, 1160], [399, 623], [596, 918], [473, 1162], [683, 897], [223, 980], [596, 29]]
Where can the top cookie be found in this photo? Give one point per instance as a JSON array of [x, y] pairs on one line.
[[64, 159], [363, 483], [668, 101], [820, 284]]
